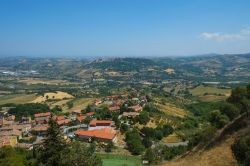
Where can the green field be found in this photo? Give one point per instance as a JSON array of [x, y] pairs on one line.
[[17, 98], [201, 90], [119, 160]]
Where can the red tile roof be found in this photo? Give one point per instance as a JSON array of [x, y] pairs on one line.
[[43, 127], [136, 108], [119, 102], [114, 108], [63, 121], [81, 118], [42, 114], [100, 122], [106, 133], [60, 118]]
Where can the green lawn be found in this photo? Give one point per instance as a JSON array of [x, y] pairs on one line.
[[119, 160]]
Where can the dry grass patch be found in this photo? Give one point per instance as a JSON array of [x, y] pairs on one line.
[[173, 138], [172, 110], [217, 156], [53, 95]]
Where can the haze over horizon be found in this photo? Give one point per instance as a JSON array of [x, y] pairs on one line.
[[97, 28]]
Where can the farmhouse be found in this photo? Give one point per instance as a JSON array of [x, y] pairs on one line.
[[100, 124], [104, 135]]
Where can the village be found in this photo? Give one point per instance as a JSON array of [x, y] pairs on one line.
[[99, 122]]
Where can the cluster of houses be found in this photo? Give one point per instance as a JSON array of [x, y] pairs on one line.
[[12, 131]]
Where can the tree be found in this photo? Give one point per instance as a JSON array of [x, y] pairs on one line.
[[143, 117], [124, 128], [237, 95], [149, 155], [56, 109], [147, 142], [167, 130], [245, 105], [134, 142], [9, 157], [217, 119], [230, 110], [241, 150], [53, 145], [109, 147], [78, 154]]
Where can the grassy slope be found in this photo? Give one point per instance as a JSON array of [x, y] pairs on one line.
[[17, 98], [217, 155], [200, 90]]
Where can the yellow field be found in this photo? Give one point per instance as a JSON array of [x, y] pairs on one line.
[[53, 95], [172, 110], [173, 138], [17, 98], [47, 82], [200, 90]]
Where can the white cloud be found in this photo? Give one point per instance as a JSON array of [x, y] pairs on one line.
[[242, 35]]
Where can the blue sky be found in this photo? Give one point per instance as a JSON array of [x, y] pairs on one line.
[[123, 27]]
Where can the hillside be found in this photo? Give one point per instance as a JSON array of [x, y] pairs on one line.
[[218, 152]]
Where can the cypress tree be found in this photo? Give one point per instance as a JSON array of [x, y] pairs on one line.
[[53, 145]]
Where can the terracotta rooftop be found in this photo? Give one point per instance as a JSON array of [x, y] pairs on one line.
[[13, 132], [43, 127], [42, 114], [81, 118], [100, 122], [136, 108], [60, 118], [63, 121], [114, 108], [106, 133], [119, 102]]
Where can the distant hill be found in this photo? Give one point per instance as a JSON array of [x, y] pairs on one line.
[[212, 67]]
